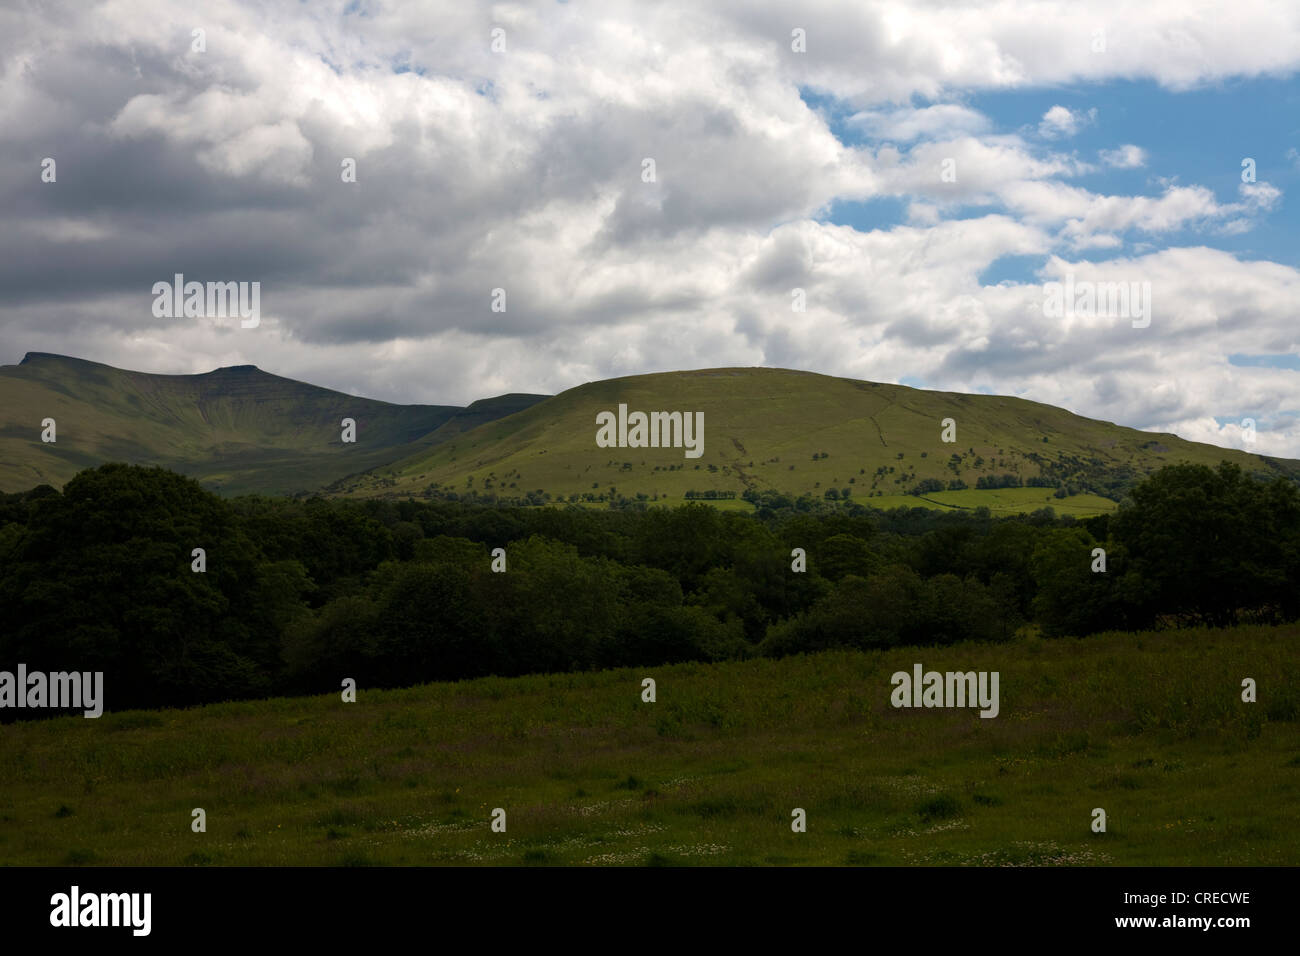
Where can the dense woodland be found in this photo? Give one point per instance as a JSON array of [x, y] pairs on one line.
[[298, 595]]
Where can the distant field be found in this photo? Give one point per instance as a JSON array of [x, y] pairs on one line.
[[1149, 727], [1002, 501], [1005, 501], [722, 504]]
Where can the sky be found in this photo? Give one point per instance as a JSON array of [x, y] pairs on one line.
[[882, 191]]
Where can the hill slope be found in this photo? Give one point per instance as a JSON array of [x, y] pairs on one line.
[[763, 428], [237, 429]]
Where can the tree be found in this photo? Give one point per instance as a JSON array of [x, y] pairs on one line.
[[859, 612], [101, 581], [1075, 600], [844, 554], [1212, 545]]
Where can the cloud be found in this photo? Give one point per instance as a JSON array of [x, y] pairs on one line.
[[1127, 156], [1060, 122], [1259, 197], [522, 170], [930, 122]]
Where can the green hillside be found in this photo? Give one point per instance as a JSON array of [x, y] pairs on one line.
[[237, 429], [1150, 727], [796, 433], [241, 430]]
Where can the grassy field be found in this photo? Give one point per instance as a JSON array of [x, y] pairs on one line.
[[1000, 501], [1149, 727], [722, 504]]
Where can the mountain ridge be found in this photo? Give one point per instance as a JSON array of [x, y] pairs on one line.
[[241, 429], [238, 428]]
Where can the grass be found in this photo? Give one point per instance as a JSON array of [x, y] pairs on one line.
[[1149, 727], [1000, 501], [722, 504]]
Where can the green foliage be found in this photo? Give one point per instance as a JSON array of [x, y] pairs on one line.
[[301, 593], [844, 554], [894, 607], [1213, 545], [100, 579], [1074, 599]]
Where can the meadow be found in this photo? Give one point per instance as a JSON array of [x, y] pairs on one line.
[[999, 501], [1002, 502], [1150, 727]]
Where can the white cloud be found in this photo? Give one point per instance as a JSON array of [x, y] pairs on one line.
[[1259, 197], [903, 125], [1060, 122], [1127, 156]]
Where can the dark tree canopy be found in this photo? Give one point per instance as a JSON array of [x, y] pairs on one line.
[[298, 594]]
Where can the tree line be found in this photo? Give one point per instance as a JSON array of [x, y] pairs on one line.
[[298, 594]]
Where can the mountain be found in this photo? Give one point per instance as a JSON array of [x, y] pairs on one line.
[[796, 433], [240, 429], [236, 429]]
